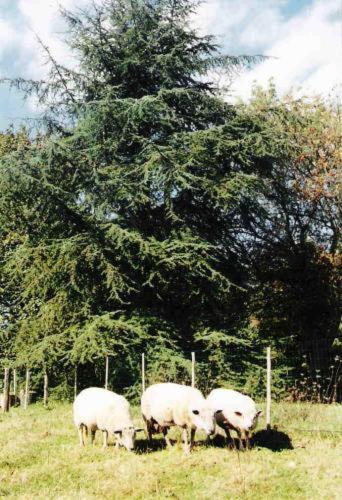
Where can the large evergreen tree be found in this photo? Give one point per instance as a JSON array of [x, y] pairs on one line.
[[123, 206]]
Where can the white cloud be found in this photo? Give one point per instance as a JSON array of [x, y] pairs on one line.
[[34, 18], [216, 16], [306, 47], [308, 52], [41, 18], [8, 35], [248, 23], [262, 29]]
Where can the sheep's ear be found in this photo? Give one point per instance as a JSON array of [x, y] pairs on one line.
[[139, 429], [258, 413]]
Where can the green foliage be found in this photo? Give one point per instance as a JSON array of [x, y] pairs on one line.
[[152, 216]]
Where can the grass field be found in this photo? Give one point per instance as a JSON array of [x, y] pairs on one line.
[[40, 458]]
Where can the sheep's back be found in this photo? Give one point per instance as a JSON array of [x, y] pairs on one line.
[[94, 403], [168, 402]]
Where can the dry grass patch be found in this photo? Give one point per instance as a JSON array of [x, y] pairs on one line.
[[40, 457]]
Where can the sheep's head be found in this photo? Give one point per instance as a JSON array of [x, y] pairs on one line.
[[126, 437], [243, 420], [202, 416]]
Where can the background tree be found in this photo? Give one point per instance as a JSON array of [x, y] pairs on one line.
[[295, 229]]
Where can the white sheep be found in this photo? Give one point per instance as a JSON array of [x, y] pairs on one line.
[[238, 413], [99, 409], [164, 405]]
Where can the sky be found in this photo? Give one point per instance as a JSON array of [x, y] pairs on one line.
[[302, 37]]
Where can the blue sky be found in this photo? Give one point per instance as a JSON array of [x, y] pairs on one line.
[[304, 36]]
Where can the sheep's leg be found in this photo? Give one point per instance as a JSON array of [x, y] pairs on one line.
[[241, 445], [92, 436], [186, 446], [105, 439], [146, 429], [229, 439], [246, 441], [149, 429], [208, 440], [166, 437], [81, 434], [85, 432], [192, 438]]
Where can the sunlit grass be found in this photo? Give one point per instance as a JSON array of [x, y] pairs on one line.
[[40, 457]]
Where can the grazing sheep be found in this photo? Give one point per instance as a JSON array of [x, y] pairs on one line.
[[98, 409], [238, 412], [164, 405]]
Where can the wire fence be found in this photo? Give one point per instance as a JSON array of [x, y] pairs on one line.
[[315, 376]]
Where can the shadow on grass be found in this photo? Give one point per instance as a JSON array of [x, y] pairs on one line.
[[272, 439], [144, 446], [158, 444], [219, 441]]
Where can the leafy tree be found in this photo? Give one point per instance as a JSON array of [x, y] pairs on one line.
[[293, 232]]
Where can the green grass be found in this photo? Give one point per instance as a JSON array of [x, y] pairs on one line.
[[40, 458]]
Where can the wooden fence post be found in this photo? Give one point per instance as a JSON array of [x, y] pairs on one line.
[[46, 388], [27, 389], [75, 382], [106, 373], [192, 369], [268, 390], [143, 372], [15, 389], [6, 393]]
